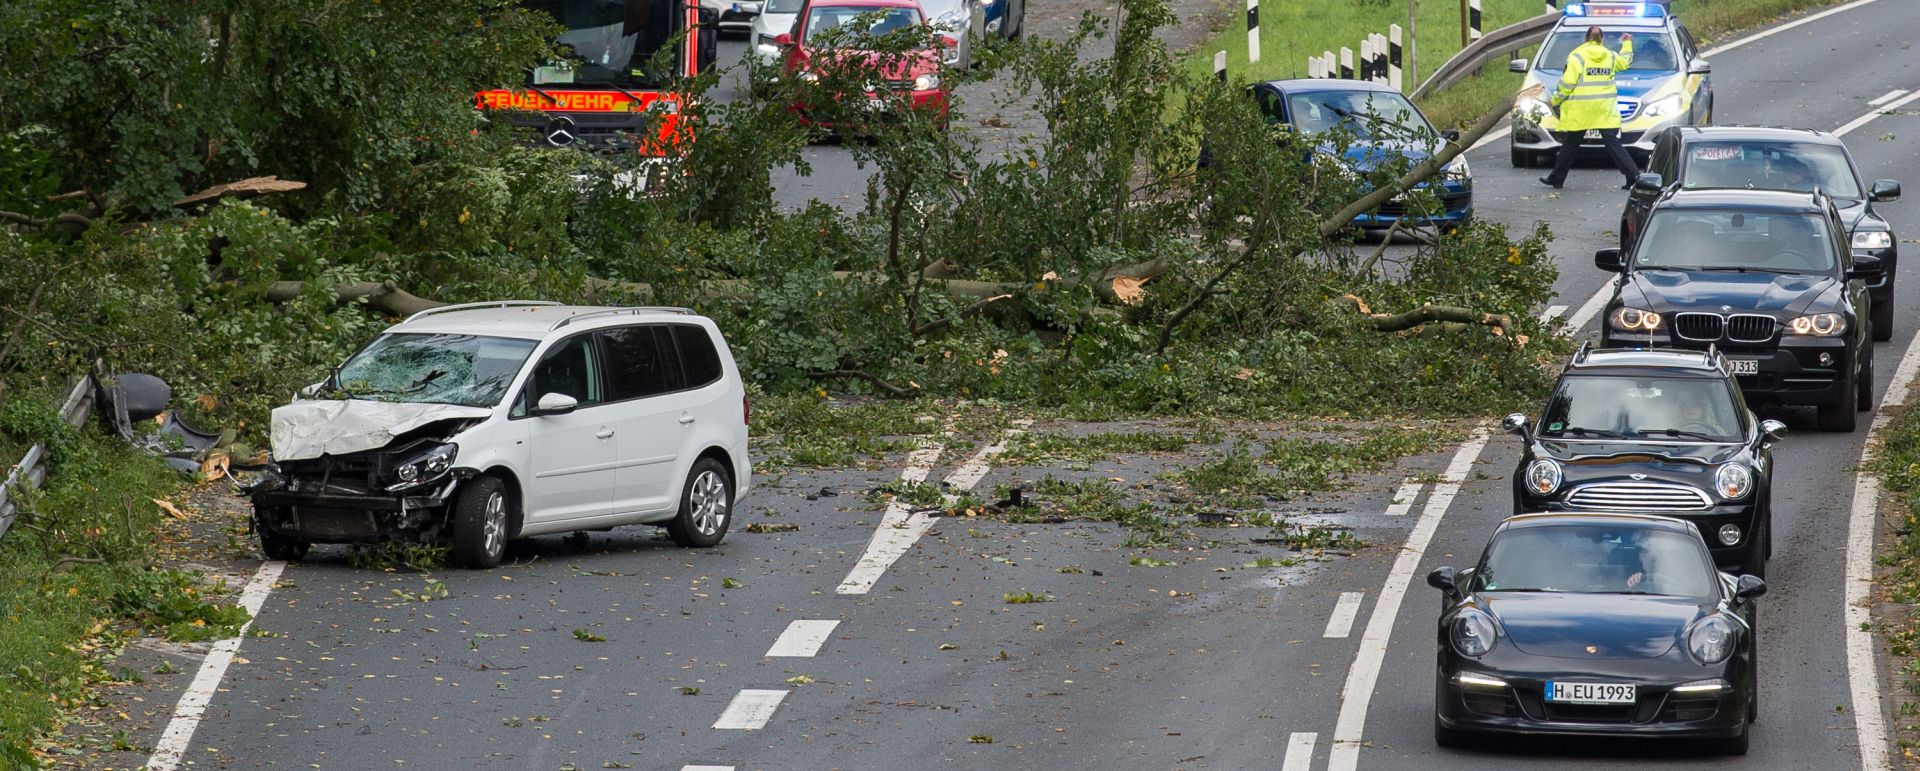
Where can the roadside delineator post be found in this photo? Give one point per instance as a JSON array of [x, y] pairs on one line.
[[1552, 6], [1253, 31], [1220, 66], [1393, 57], [1346, 63], [1473, 20]]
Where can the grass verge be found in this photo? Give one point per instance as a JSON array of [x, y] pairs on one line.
[[1898, 466]]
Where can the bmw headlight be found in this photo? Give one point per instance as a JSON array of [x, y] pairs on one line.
[[424, 468], [1872, 239], [1543, 476], [927, 82], [1711, 639], [1634, 320], [1733, 481], [1662, 107], [1473, 633], [1818, 325]]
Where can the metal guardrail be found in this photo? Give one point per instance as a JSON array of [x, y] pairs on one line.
[[1494, 45], [32, 469]]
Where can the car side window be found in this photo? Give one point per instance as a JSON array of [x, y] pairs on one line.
[[641, 362], [1662, 161], [1270, 105], [697, 354], [570, 368]]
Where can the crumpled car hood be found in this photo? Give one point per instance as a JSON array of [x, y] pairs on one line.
[[312, 428]]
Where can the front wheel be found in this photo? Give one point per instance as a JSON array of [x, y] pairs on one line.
[[706, 506], [1757, 547], [279, 547], [1447, 737], [480, 522], [1839, 416], [1734, 746], [1863, 398], [1883, 320], [1518, 157]]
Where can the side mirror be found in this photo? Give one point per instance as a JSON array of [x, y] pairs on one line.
[[1451, 135], [1648, 183], [1866, 266], [555, 404], [783, 39], [1774, 430], [1515, 424], [1517, 65], [1442, 579], [311, 391], [1699, 67], [1749, 587], [1609, 260], [1884, 190]]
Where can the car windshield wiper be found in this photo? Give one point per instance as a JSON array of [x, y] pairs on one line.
[[1675, 432], [1600, 432], [1743, 269]]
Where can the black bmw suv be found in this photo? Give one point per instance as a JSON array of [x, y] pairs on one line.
[[1767, 158], [1765, 277], [1654, 432]]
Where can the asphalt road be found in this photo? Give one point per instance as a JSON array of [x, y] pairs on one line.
[[1206, 664]]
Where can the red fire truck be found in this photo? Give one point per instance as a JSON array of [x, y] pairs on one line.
[[614, 88]]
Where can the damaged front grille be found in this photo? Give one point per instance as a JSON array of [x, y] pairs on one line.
[[360, 473]]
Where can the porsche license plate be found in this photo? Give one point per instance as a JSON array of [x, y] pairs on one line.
[[1562, 692], [1745, 366], [1592, 134]]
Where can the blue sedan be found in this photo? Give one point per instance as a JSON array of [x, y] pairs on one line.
[[1385, 128]]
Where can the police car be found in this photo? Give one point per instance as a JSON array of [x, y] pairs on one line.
[[1667, 84]]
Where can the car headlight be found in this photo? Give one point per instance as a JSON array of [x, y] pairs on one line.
[[424, 468], [810, 76], [1473, 633], [1543, 476], [1532, 108], [1872, 239], [1733, 481], [1662, 107], [1458, 168], [1634, 320], [1711, 639], [1818, 325], [927, 82]]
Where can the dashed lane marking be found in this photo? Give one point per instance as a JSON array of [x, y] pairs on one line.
[[1589, 309], [901, 526], [750, 710], [1764, 34], [802, 639], [1886, 97], [193, 704], [1877, 112], [1299, 751], [706, 768], [1358, 692], [1552, 312], [1403, 499], [1341, 622]]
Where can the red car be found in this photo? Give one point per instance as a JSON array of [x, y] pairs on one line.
[[909, 81]]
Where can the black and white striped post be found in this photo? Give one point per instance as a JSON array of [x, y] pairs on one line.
[[1552, 6], [1473, 20], [1346, 63], [1253, 31], [1379, 58], [1393, 57], [1220, 66], [1365, 70]]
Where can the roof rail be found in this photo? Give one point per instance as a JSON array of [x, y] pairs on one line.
[[1580, 356], [472, 306], [632, 309]]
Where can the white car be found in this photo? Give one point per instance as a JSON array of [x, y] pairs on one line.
[[476, 424], [734, 15], [965, 21], [776, 18]]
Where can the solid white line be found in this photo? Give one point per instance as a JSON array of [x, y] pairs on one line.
[[900, 527], [193, 704], [1552, 312], [1299, 751], [750, 710], [706, 768], [1490, 138], [1877, 112], [1784, 27], [1886, 97], [802, 639], [1341, 622], [1403, 499], [1862, 671], [1590, 309], [1358, 692]]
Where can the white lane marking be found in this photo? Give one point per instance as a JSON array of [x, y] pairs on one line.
[[193, 704], [1299, 751], [1590, 308], [1490, 138], [750, 710], [1886, 97], [1403, 499], [1344, 611], [1862, 671], [900, 527], [1552, 312], [802, 639], [1784, 27], [706, 768], [1877, 112], [1358, 692]]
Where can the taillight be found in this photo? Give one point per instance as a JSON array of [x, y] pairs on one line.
[[746, 411]]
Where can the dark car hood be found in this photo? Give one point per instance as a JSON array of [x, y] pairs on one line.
[[1856, 212], [1664, 290], [1616, 626], [1593, 454]]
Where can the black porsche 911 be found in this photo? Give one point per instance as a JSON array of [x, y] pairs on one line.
[[1661, 431], [1603, 625]]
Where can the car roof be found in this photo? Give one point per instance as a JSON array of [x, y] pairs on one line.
[[868, 3], [1737, 198], [1718, 133], [1624, 361], [1320, 85], [1558, 519], [1611, 23], [529, 321]]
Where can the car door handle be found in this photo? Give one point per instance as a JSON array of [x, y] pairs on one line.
[[605, 433], [686, 420]]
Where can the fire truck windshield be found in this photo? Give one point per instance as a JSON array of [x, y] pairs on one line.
[[608, 42]]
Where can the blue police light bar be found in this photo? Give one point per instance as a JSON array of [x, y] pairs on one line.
[[1615, 10]]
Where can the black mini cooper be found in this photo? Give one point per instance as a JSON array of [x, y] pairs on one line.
[[1655, 432], [1766, 278]]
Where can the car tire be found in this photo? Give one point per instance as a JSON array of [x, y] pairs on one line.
[[481, 514], [1734, 746], [1756, 559], [1863, 385], [706, 506], [279, 547], [1841, 415], [1518, 157], [1883, 321]]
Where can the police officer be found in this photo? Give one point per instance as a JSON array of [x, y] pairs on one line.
[[1587, 100]]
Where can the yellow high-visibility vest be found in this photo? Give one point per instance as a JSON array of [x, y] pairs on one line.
[[1587, 96]]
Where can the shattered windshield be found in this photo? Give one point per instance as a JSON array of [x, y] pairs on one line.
[[434, 369]]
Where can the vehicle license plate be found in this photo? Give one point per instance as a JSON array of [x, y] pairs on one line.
[[1745, 366], [876, 105], [1592, 134], [1560, 692]]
